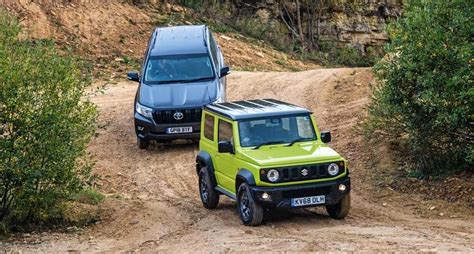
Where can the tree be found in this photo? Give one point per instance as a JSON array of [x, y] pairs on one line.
[[295, 13], [46, 123], [425, 95]]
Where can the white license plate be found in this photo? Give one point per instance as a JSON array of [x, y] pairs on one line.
[[175, 130], [314, 200]]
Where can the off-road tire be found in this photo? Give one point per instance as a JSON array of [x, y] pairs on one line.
[[341, 209], [207, 192], [143, 143], [251, 212]]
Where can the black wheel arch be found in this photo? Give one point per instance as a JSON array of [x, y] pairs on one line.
[[244, 175], [204, 159]]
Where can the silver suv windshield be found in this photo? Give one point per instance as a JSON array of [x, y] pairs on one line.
[[276, 130], [179, 68]]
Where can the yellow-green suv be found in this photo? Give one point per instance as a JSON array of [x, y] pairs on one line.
[[269, 154]]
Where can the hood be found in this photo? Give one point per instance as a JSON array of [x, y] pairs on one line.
[[280, 155], [178, 95]]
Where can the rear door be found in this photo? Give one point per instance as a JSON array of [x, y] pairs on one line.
[[225, 162]]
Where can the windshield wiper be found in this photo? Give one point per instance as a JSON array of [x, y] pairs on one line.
[[268, 143], [184, 80], [299, 140], [197, 79]]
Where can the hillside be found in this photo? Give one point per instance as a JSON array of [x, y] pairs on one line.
[[113, 35]]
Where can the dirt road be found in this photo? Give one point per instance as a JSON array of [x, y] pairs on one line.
[[153, 203]]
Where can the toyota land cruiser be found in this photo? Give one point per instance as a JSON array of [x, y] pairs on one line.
[[183, 70]]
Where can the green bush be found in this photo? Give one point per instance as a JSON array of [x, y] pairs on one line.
[[425, 96], [46, 123], [334, 55]]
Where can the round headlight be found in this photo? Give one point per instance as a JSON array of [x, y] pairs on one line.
[[273, 175], [333, 169]]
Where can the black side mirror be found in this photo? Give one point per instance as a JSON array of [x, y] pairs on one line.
[[133, 76], [225, 147], [326, 136], [225, 71]]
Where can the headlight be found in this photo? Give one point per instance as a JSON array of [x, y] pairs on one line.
[[219, 100], [144, 111], [333, 169], [273, 175]]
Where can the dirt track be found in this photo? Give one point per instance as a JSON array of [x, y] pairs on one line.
[[153, 202]]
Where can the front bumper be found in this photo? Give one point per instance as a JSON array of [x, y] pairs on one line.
[[281, 196], [148, 129]]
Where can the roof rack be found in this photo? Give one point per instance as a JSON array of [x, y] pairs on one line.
[[249, 109]]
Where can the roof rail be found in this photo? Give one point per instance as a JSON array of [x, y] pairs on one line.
[[205, 35], [155, 34]]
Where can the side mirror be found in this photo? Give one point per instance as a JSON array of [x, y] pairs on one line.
[[225, 71], [225, 147], [133, 76], [326, 136]]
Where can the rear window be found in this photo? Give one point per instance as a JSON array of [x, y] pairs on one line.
[[209, 127]]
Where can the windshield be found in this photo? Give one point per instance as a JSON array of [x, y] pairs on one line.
[[180, 68], [276, 130]]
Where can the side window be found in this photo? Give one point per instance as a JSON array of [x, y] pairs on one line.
[[209, 127], [213, 49], [225, 131], [305, 129]]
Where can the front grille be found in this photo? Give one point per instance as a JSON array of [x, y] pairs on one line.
[[306, 192], [295, 173], [167, 116]]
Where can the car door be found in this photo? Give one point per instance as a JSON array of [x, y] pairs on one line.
[[225, 162]]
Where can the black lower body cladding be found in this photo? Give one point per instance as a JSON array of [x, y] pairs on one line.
[[281, 196]]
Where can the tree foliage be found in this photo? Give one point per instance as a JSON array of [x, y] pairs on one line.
[[45, 126], [425, 96]]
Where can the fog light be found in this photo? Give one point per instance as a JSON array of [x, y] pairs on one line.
[[140, 128], [265, 195], [342, 187]]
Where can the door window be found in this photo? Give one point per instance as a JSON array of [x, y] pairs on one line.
[[225, 131]]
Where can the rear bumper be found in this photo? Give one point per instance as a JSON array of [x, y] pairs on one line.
[[281, 196], [148, 129]]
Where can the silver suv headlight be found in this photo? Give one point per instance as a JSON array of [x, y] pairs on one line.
[[144, 111], [219, 100]]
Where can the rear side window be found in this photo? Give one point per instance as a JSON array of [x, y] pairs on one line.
[[213, 49], [209, 127], [225, 131]]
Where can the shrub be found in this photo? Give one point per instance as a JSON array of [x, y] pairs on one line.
[[425, 96], [45, 125]]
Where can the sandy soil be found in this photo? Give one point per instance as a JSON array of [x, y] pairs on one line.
[[153, 205]]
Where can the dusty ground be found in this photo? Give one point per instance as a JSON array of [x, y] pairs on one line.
[[153, 205]]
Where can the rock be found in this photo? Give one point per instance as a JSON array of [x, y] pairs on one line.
[[187, 22], [441, 214], [432, 208], [384, 204], [259, 54], [119, 59], [227, 38], [176, 8]]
